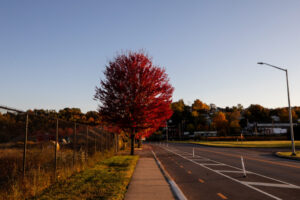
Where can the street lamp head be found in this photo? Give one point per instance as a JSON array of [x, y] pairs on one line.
[[260, 63]]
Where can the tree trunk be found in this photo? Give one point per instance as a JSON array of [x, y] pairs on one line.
[[132, 144], [140, 143]]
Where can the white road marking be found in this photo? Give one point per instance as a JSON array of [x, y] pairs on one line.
[[200, 159], [217, 164], [283, 182], [233, 179], [229, 171], [272, 185]]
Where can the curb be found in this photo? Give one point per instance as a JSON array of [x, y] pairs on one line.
[[174, 187], [286, 157], [244, 147]]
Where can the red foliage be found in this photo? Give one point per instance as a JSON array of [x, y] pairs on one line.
[[136, 95]]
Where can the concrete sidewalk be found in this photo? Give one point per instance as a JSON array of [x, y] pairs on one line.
[[147, 182]]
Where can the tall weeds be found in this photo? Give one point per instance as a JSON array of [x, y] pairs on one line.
[[39, 169]]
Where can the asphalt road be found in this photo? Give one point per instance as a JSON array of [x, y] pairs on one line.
[[217, 173]]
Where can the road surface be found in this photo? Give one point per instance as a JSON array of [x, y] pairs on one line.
[[217, 173]]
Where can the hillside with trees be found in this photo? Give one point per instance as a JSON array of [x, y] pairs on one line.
[[226, 121]]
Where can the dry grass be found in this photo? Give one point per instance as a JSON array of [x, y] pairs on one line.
[[39, 168], [106, 180]]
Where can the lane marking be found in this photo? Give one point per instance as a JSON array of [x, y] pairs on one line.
[[222, 196], [247, 185], [251, 158], [181, 166], [200, 159], [217, 164], [189, 172], [229, 171], [200, 180], [272, 185], [256, 174]]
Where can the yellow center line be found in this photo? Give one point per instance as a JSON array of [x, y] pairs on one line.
[[189, 172], [181, 166], [251, 158], [222, 196], [200, 180]]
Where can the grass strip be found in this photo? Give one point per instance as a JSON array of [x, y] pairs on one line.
[[107, 180], [289, 155], [247, 144]]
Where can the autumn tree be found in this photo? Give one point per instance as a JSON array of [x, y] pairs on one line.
[[200, 107], [199, 114], [257, 113], [220, 122], [233, 119], [72, 114], [135, 95], [283, 114], [178, 108]]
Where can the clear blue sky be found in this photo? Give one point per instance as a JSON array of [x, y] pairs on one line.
[[53, 53]]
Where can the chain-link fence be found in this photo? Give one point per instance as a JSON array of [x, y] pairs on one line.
[[37, 150]]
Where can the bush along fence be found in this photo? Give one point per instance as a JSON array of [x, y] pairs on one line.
[[36, 150]]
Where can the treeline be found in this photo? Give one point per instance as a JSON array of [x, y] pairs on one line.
[[43, 122], [197, 117], [230, 120], [70, 114], [67, 114]]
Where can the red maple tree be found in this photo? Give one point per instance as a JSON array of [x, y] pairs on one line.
[[135, 95]]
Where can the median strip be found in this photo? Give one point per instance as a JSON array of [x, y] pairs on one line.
[[288, 155]]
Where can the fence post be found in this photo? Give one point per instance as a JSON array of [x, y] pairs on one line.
[[110, 141], [101, 141], [117, 142], [74, 144], [104, 141], [107, 141], [87, 143], [55, 152], [95, 144], [25, 145]]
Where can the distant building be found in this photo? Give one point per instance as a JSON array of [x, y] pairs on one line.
[[213, 108], [275, 118], [205, 133], [267, 128]]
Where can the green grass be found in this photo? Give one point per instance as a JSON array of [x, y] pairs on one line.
[[107, 180], [289, 154], [261, 144]]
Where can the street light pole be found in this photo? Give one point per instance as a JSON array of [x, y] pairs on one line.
[[290, 109], [167, 131]]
